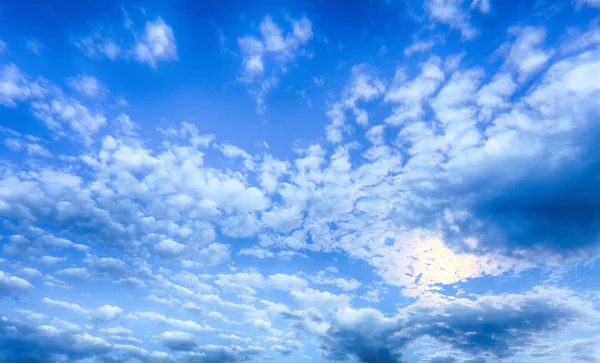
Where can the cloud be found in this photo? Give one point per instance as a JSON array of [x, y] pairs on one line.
[[526, 54], [102, 314], [273, 42], [13, 286], [418, 47], [31, 149], [169, 248], [233, 354], [64, 111], [97, 45], [187, 325], [286, 282], [483, 5], [52, 260], [490, 327], [272, 46], [451, 13], [176, 340], [324, 279], [87, 85], [106, 313], [34, 46], [15, 86], [22, 342], [322, 301], [410, 96], [262, 253], [364, 86], [585, 350], [591, 3], [157, 43]]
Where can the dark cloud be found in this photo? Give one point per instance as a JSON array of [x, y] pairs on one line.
[[222, 354], [550, 205], [492, 328], [21, 342]]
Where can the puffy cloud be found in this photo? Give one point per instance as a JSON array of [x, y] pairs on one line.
[[272, 45], [60, 111], [452, 13], [32, 149], [322, 301], [157, 43], [169, 248], [411, 95], [273, 42], [176, 340], [106, 313], [526, 54], [102, 314], [29, 343], [324, 279], [87, 85], [489, 327], [286, 282], [13, 286], [15, 86], [188, 325]]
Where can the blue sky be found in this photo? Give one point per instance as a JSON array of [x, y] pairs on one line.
[[359, 181]]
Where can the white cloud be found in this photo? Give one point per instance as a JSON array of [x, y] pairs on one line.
[[410, 96], [13, 286], [52, 260], [272, 45], [364, 86], [483, 5], [102, 314], [106, 313], [418, 46], [97, 45], [273, 42], [116, 331], [526, 54], [451, 12], [31, 149], [285, 282], [156, 44], [34, 46], [66, 305], [187, 325], [322, 301], [87, 85], [31, 272], [15, 86], [169, 248], [345, 284], [66, 111]]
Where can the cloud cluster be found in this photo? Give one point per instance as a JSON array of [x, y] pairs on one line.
[[156, 43], [357, 248]]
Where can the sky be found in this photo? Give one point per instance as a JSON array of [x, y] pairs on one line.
[[300, 181]]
